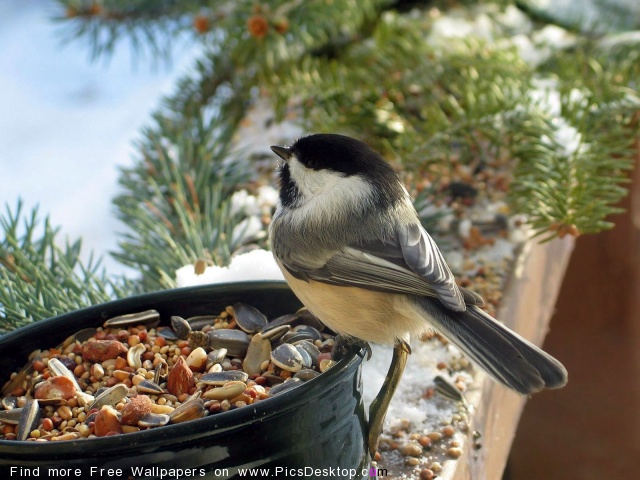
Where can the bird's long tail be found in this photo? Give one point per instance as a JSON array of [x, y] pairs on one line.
[[505, 355]]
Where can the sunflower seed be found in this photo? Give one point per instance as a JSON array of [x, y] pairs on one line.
[[149, 318]]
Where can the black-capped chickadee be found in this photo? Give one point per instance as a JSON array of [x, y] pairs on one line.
[[351, 247]]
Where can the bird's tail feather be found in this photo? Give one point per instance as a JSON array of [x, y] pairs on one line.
[[505, 355]]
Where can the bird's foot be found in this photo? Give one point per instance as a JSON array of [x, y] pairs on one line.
[[344, 345], [380, 405]]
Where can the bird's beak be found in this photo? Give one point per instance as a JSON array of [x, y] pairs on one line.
[[283, 152]]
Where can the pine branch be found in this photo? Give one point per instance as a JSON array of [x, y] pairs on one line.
[[412, 100], [151, 25], [415, 99], [282, 26], [201, 87], [607, 67], [176, 201], [570, 179], [469, 101], [596, 18], [370, 68], [39, 279]]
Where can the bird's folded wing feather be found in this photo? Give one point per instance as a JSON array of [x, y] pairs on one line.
[[411, 263]]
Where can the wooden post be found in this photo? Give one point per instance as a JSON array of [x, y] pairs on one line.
[[527, 308], [591, 429]]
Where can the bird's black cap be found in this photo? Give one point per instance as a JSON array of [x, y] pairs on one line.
[[339, 153]]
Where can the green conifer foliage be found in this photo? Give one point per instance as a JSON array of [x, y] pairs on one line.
[[560, 106]]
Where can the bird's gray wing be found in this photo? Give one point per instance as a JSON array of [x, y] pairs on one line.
[[408, 263]]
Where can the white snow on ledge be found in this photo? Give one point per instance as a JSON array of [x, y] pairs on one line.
[[254, 265]]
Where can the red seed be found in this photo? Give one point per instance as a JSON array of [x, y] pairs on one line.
[[102, 350], [111, 382], [8, 429], [38, 365], [180, 379], [47, 424], [324, 356], [18, 391], [135, 409], [426, 474], [106, 422], [448, 431], [424, 441], [121, 363], [54, 388]]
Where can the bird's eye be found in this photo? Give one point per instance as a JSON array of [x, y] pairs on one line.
[[312, 163]]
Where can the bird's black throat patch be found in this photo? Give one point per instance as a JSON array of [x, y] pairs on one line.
[[289, 192]]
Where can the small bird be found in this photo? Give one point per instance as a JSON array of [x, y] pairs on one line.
[[350, 244]]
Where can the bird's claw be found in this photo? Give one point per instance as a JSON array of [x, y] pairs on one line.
[[380, 405], [344, 345]]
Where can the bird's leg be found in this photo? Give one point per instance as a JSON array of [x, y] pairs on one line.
[[343, 345], [380, 405]]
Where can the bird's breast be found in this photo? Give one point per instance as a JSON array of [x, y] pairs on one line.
[[356, 312]]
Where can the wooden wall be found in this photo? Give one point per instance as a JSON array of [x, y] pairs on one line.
[[590, 430]]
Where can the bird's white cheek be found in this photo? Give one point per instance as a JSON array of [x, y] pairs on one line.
[[328, 196], [328, 183], [308, 181]]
